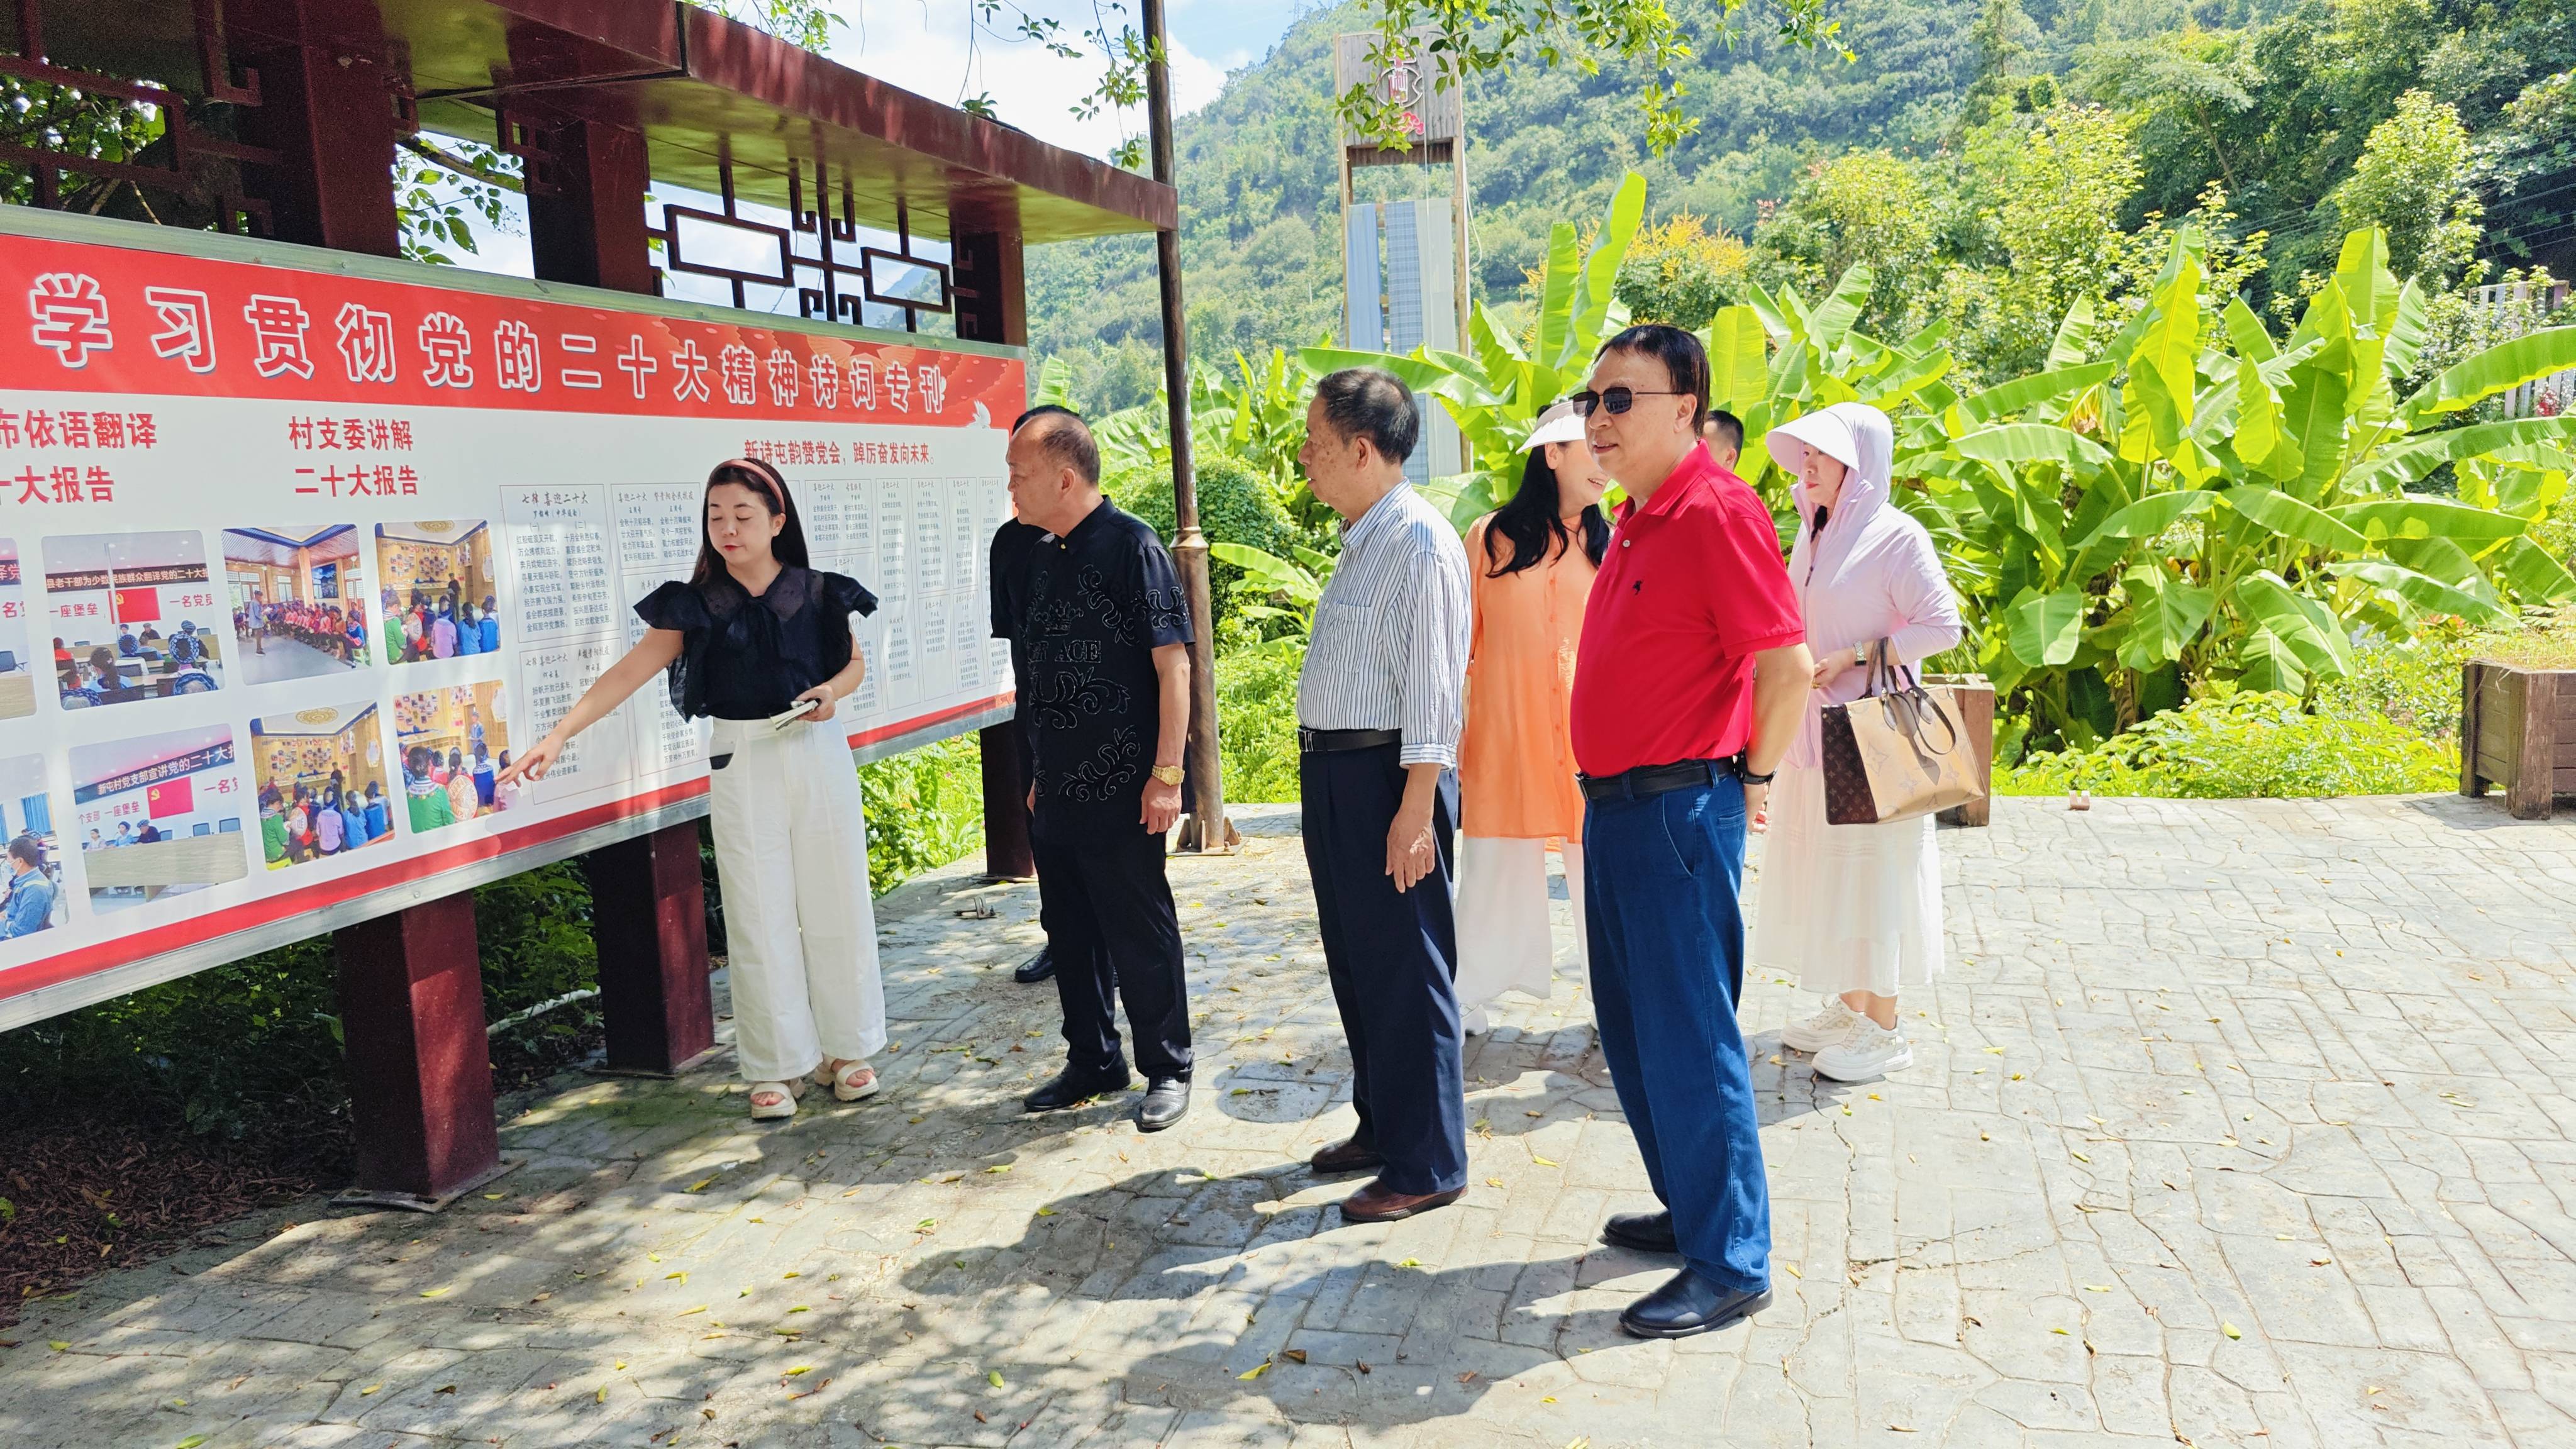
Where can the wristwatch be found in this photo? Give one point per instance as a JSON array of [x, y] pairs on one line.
[[1168, 774], [1750, 778]]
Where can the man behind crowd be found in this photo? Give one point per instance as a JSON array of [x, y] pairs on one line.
[[1105, 630], [1724, 435], [1008, 557], [1378, 708], [1689, 680]]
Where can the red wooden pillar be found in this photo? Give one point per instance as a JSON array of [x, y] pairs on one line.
[[648, 907], [411, 983], [420, 1064], [992, 306], [587, 226], [649, 918], [328, 111], [1006, 804]]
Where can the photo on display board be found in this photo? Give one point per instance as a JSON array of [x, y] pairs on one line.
[[134, 617], [453, 744], [159, 815], [297, 609], [435, 593], [31, 873], [322, 791], [17, 663]]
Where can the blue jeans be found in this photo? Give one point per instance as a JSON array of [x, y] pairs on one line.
[[1661, 879]]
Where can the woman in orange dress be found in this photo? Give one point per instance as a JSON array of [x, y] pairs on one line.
[[1532, 562]]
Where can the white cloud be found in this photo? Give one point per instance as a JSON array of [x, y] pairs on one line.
[[1031, 87]]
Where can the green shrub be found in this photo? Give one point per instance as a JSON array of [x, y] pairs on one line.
[[254, 1045], [1235, 506], [925, 808], [2412, 682], [1256, 709], [2240, 746], [2556, 534]]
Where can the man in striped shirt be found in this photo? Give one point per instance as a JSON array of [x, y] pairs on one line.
[[1378, 710]]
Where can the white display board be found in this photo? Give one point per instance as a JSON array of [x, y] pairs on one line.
[[280, 526]]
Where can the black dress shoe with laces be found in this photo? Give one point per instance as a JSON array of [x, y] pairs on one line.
[[1167, 1100], [1073, 1087], [1688, 1304], [1644, 1232], [1037, 968]]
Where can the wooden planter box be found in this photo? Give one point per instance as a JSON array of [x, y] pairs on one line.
[[2518, 730], [1975, 696]]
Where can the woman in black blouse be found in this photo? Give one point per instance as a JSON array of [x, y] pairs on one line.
[[754, 633]]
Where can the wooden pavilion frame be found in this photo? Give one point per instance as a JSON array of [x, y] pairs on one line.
[[282, 119]]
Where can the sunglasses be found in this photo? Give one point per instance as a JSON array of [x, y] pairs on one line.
[[1614, 401]]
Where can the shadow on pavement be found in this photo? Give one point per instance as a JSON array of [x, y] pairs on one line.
[[1228, 1291]]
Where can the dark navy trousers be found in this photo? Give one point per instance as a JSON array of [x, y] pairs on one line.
[[1662, 878], [1391, 956]]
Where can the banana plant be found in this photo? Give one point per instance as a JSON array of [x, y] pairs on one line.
[[1775, 358], [1497, 391], [2174, 503], [1294, 588], [2209, 503], [1258, 414]]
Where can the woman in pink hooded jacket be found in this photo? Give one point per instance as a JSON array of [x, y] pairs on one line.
[[1853, 910]]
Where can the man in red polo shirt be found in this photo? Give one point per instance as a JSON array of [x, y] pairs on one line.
[[1689, 685]]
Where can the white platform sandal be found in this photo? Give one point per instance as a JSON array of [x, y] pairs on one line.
[[851, 1081], [782, 1100]]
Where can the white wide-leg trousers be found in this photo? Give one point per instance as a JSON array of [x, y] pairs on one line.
[[1505, 942], [800, 932]]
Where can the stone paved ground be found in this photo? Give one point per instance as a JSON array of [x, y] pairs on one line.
[[2233, 1124]]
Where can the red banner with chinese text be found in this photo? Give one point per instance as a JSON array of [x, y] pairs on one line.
[[292, 561], [149, 322]]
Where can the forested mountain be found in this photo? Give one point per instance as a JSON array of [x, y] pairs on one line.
[[2272, 99]]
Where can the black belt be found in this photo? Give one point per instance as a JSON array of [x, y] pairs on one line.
[[1330, 742], [1649, 780]]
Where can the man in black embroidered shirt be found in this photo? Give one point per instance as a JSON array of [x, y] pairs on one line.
[[1009, 556], [1105, 701]]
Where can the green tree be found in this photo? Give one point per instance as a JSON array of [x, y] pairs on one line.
[[1680, 271], [2002, 39], [443, 187], [1870, 209], [2412, 181], [40, 116], [1471, 38], [1236, 506], [2529, 159], [2043, 196]]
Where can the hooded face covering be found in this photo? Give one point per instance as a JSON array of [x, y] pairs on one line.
[[1859, 509], [1865, 570]]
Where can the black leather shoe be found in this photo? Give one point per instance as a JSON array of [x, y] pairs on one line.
[[1167, 1100], [1688, 1304], [1037, 968], [1347, 1155], [1644, 1232], [1072, 1088]]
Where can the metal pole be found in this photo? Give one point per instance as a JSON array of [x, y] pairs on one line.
[[1208, 829]]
